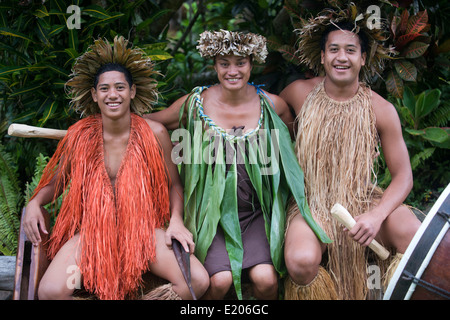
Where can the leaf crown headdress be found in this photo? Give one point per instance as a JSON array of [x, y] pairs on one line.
[[100, 53], [213, 43], [310, 35]]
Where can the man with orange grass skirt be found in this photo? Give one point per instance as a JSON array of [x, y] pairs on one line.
[[120, 188], [340, 123]]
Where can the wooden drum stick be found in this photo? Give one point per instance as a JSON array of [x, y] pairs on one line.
[[343, 216], [25, 131]]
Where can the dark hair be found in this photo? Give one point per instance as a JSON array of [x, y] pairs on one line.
[[348, 26], [113, 67]]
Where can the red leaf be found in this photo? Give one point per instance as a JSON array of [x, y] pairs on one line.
[[406, 70], [395, 23], [417, 22], [415, 50], [404, 40], [394, 84], [404, 23]]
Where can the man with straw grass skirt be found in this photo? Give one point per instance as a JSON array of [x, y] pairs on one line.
[[340, 123]]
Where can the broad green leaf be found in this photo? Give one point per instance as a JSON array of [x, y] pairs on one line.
[[409, 100], [427, 102], [436, 134]]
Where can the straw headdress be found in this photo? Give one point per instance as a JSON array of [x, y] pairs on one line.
[[309, 38], [212, 43], [101, 53]]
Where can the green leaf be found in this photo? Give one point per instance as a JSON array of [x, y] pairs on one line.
[[13, 33], [230, 225], [25, 90], [427, 102], [144, 24], [420, 157], [406, 70], [409, 100], [12, 69], [96, 12], [103, 21], [436, 134], [56, 29], [48, 113], [41, 12], [159, 55], [42, 33]]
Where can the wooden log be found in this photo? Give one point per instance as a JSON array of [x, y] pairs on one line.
[[25, 131]]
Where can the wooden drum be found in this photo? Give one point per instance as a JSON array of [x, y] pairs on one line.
[[423, 272]]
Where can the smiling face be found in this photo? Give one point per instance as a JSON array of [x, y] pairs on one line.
[[342, 57], [233, 71], [113, 94]]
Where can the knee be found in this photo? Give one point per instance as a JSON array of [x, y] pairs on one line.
[[51, 291], [221, 281], [264, 278], [399, 228], [302, 265], [200, 281]]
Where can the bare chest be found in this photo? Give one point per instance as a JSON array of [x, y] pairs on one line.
[[227, 117], [114, 153]]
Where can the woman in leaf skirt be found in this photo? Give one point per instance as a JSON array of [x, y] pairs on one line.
[[238, 168]]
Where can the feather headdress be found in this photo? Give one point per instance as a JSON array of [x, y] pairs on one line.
[[212, 43], [100, 53], [309, 38]]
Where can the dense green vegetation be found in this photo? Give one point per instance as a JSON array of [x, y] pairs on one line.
[[39, 42]]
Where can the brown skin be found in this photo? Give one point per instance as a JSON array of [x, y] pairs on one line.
[[387, 221], [113, 95]]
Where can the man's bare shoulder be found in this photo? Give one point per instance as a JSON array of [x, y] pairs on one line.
[[380, 104], [296, 92]]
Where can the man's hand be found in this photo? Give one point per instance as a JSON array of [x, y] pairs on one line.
[[366, 228], [177, 230], [33, 222]]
